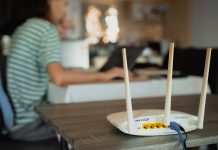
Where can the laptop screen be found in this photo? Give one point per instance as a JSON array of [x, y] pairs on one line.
[[116, 59]]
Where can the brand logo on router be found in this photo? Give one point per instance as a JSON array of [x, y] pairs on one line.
[[143, 119]]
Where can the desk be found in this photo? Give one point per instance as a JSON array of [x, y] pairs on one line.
[[84, 125], [113, 90]]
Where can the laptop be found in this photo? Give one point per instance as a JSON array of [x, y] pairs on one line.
[[116, 59]]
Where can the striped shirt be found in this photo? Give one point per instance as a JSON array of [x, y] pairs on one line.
[[34, 45]]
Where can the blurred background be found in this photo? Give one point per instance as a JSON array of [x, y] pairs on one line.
[[98, 27]]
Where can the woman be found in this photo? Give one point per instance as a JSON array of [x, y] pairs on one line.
[[34, 61]]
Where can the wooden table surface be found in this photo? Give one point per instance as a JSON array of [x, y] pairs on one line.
[[84, 125]]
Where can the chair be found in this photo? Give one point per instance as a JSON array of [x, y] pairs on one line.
[[6, 110]]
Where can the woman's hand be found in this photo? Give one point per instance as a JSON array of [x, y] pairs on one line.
[[115, 73]]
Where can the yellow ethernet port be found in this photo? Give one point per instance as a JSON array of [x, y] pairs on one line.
[[146, 126], [160, 125], [153, 125]]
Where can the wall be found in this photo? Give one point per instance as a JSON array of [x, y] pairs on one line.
[[205, 23], [178, 22], [138, 31], [75, 16], [193, 23]]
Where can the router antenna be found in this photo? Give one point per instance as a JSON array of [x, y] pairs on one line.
[[130, 121], [201, 109], [169, 85]]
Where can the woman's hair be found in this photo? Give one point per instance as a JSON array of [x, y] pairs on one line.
[[21, 10], [31, 8]]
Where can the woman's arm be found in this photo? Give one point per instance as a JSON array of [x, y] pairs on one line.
[[64, 77]]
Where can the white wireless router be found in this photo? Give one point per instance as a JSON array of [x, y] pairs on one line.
[[151, 122]]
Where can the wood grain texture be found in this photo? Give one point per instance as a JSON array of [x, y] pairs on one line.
[[84, 125]]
